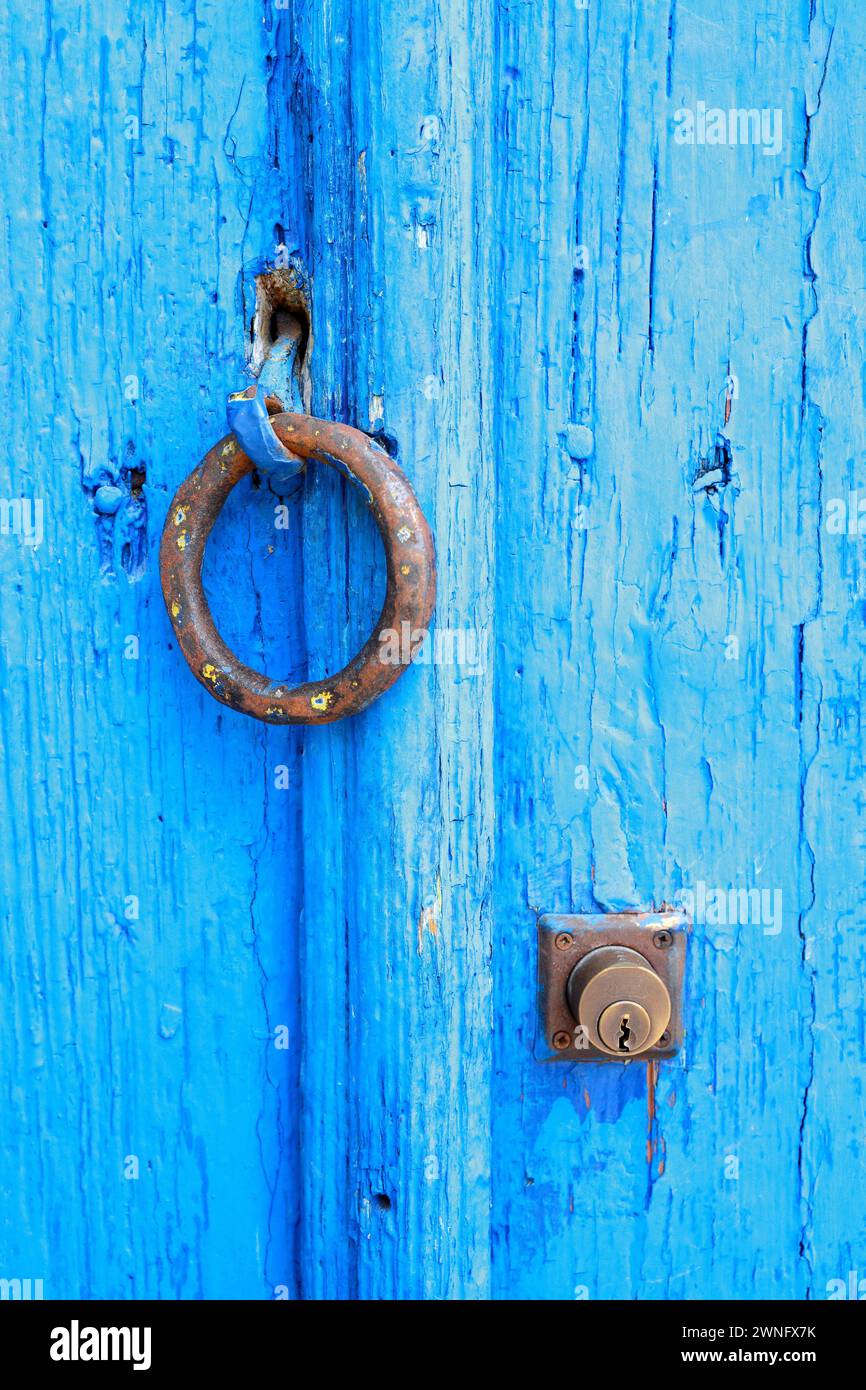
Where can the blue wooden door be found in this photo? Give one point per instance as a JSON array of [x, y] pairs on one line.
[[593, 272]]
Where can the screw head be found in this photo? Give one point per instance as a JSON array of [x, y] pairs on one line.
[[663, 938], [664, 1039], [561, 1040], [563, 940]]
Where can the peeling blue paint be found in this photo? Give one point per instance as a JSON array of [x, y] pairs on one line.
[[626, 375]]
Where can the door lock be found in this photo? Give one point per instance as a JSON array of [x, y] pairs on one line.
[[610, 987], [618, 999]]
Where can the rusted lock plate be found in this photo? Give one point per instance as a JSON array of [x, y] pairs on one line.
[[569, 1030]]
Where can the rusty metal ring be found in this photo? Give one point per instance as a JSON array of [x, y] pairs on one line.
[[411, 570]]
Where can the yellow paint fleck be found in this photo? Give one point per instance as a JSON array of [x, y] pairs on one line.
[[182, 540], [323, 700], [175, 608], [180, 515], [405, 569], [209, 672], [275, 709]]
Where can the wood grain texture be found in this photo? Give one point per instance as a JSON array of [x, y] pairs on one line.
[[701, 262], [398, 806], [537, 296], [151, 1036]]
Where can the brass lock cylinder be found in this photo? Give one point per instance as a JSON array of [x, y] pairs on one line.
[[620, 1001]]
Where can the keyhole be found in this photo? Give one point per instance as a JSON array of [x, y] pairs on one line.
[[624, 1034]]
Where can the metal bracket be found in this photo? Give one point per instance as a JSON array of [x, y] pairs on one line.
[[280, 340], [249, 421], [563, 941]]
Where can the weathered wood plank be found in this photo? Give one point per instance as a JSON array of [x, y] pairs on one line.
[[398, 805], [143, 1035], [708, 761]]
